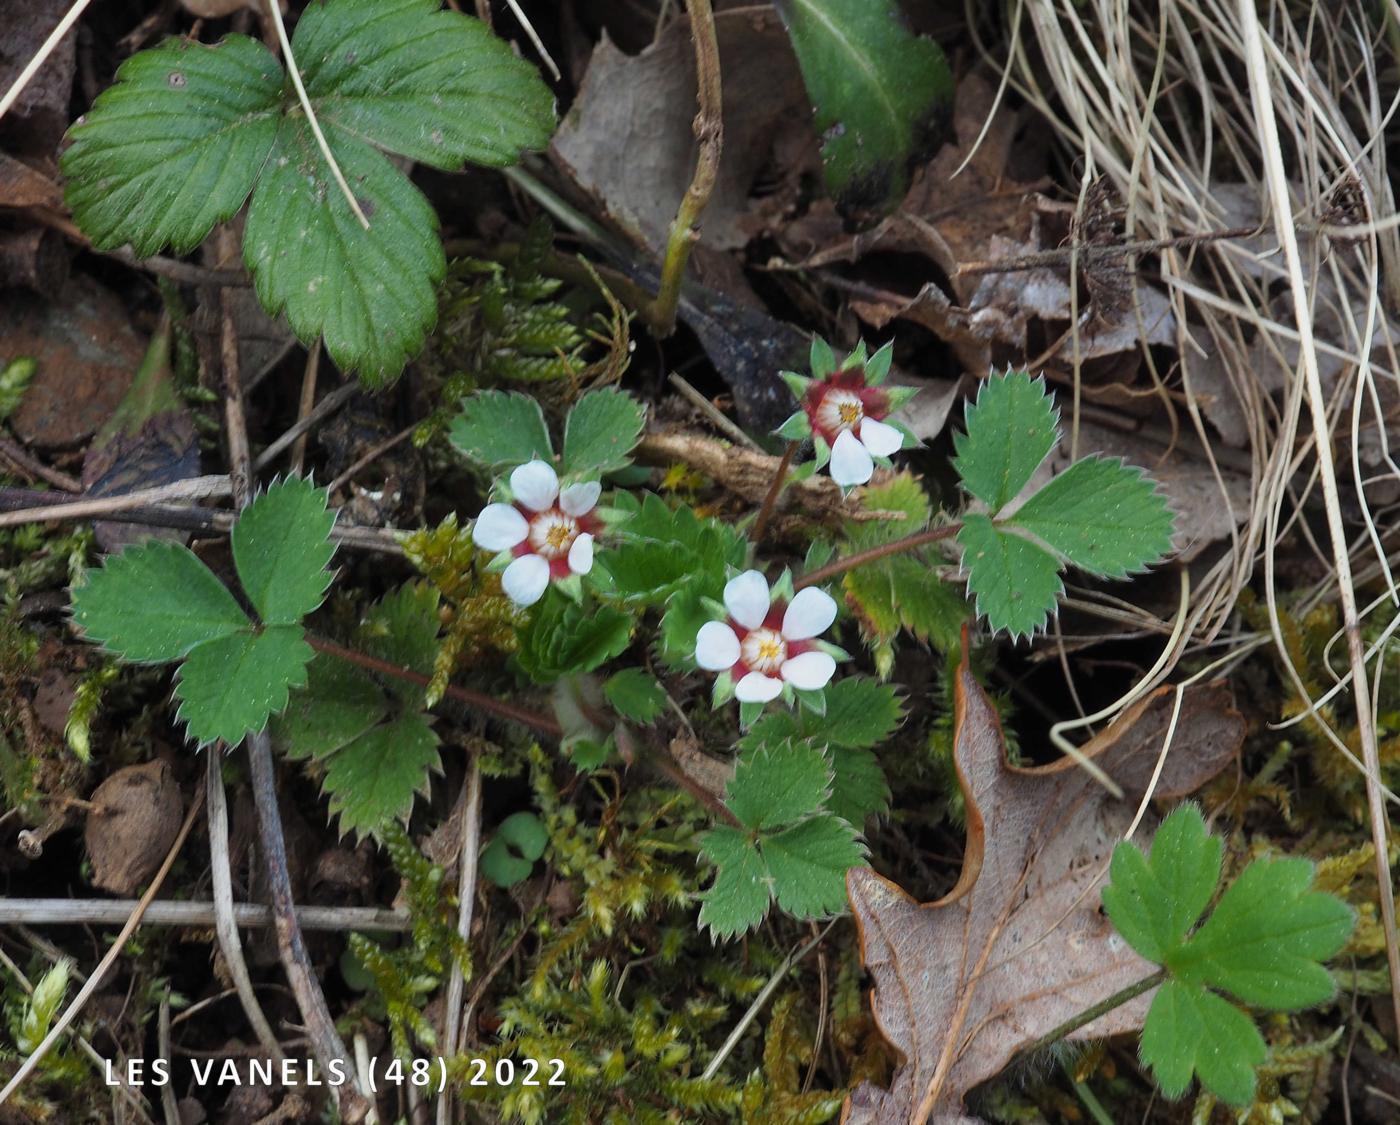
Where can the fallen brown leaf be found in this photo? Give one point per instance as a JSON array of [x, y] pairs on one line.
[[1020, 945]]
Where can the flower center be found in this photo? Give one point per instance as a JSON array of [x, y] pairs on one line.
[[763, 650], [840, 410], [552, 533]]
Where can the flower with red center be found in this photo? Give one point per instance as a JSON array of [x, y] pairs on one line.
[[766, 646], [547, 531], [843, 411]]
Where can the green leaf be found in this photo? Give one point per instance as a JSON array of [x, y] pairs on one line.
[[601, 431], [281, 545], [501, 429], [776, 785], [339, 703], [879, 92], [1014, 581], [858, 786], [738, 899], [412, 78], [563, 638], [370, 293], [374, 779], [511, 855], [1264, 939], [1102, 515], [402, 628], [155, 603], [930, 608], [1154, 902], [860, 713], [808, 863], [175, 145], [635, 694], [1011, 428], [228, 687], [1189, 1029]]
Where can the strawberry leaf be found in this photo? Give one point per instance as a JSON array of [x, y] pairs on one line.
[[281, 545], [375, 778], [777, 785], [600, 432], [228, 687], [808, 863], [1014, 581], [738, 898], [1011, 429], [501, 429], [1191, 1029]]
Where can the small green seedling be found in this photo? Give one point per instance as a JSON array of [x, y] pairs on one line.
[[1262, 944], [515, 849], [158, 604], [1100, 515], [189, 131]]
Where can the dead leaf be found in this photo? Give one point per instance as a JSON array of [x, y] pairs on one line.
[[1020, 945], [23, 186], [628, 142], [136, 816]]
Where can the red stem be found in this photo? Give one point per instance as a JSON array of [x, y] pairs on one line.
[[770, 502], [874, 554]]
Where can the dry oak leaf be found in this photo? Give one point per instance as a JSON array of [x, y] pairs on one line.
[[1020, 945]]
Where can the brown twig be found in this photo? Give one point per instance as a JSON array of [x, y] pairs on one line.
[[371, 456], [171, 912], [874, 554], [323, 409], [67, 507], [482, 702], [709, 132], [308, 400], [1092, 252], [33, 467], [770, 501]]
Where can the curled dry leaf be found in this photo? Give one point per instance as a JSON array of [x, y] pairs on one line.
[[1020, 945], [135, 818]]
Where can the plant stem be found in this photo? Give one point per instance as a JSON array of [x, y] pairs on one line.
[[874, 554], [1089, 1015], [765, 513], [479, 700], [709, 131]]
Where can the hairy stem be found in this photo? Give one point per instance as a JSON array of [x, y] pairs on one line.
[[770, 501], [875, 554], [535, 720], [1089, 1015], [709, 131]]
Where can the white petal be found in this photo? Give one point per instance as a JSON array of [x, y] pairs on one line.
[[757, 688], [747, 599], [581, 554], [879, 438], [579, 499], [499, 527], [809, 614], [535, 485], [716, 647], [525, 579], [809, 671], [850, 461]]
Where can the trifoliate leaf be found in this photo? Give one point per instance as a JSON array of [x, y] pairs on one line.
[[635, 695], [661, 552], [413, 78], [738, 899], [1266, 936], [338, 704], [858, 786], [776, 785], [154, 603], [501, 429], [517, 844], [860, 713], [1188, 1028], [371, 293], [564, 638], [600, 432], [1102, 515], [375, 778], [879, 93], [228, 687], [808, 863], [1014, 581], [1011, 428], [402, 628], [1154, 902], [175, 145], [281, 545]]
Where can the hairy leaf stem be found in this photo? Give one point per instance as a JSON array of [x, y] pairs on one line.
[[875, 554]]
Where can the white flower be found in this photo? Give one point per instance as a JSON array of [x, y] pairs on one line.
[[549, 532], [765, 648]]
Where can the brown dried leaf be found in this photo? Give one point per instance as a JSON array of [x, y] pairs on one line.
[[136, 816], [1020, 945]]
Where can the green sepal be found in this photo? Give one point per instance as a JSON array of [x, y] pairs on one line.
[[750, 713], [723, 690], [877, 367], [796, 383], [798, 427], [821, 358], [782, 590], [571, 587], [813, 701], [857, 357], [822, 451]]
